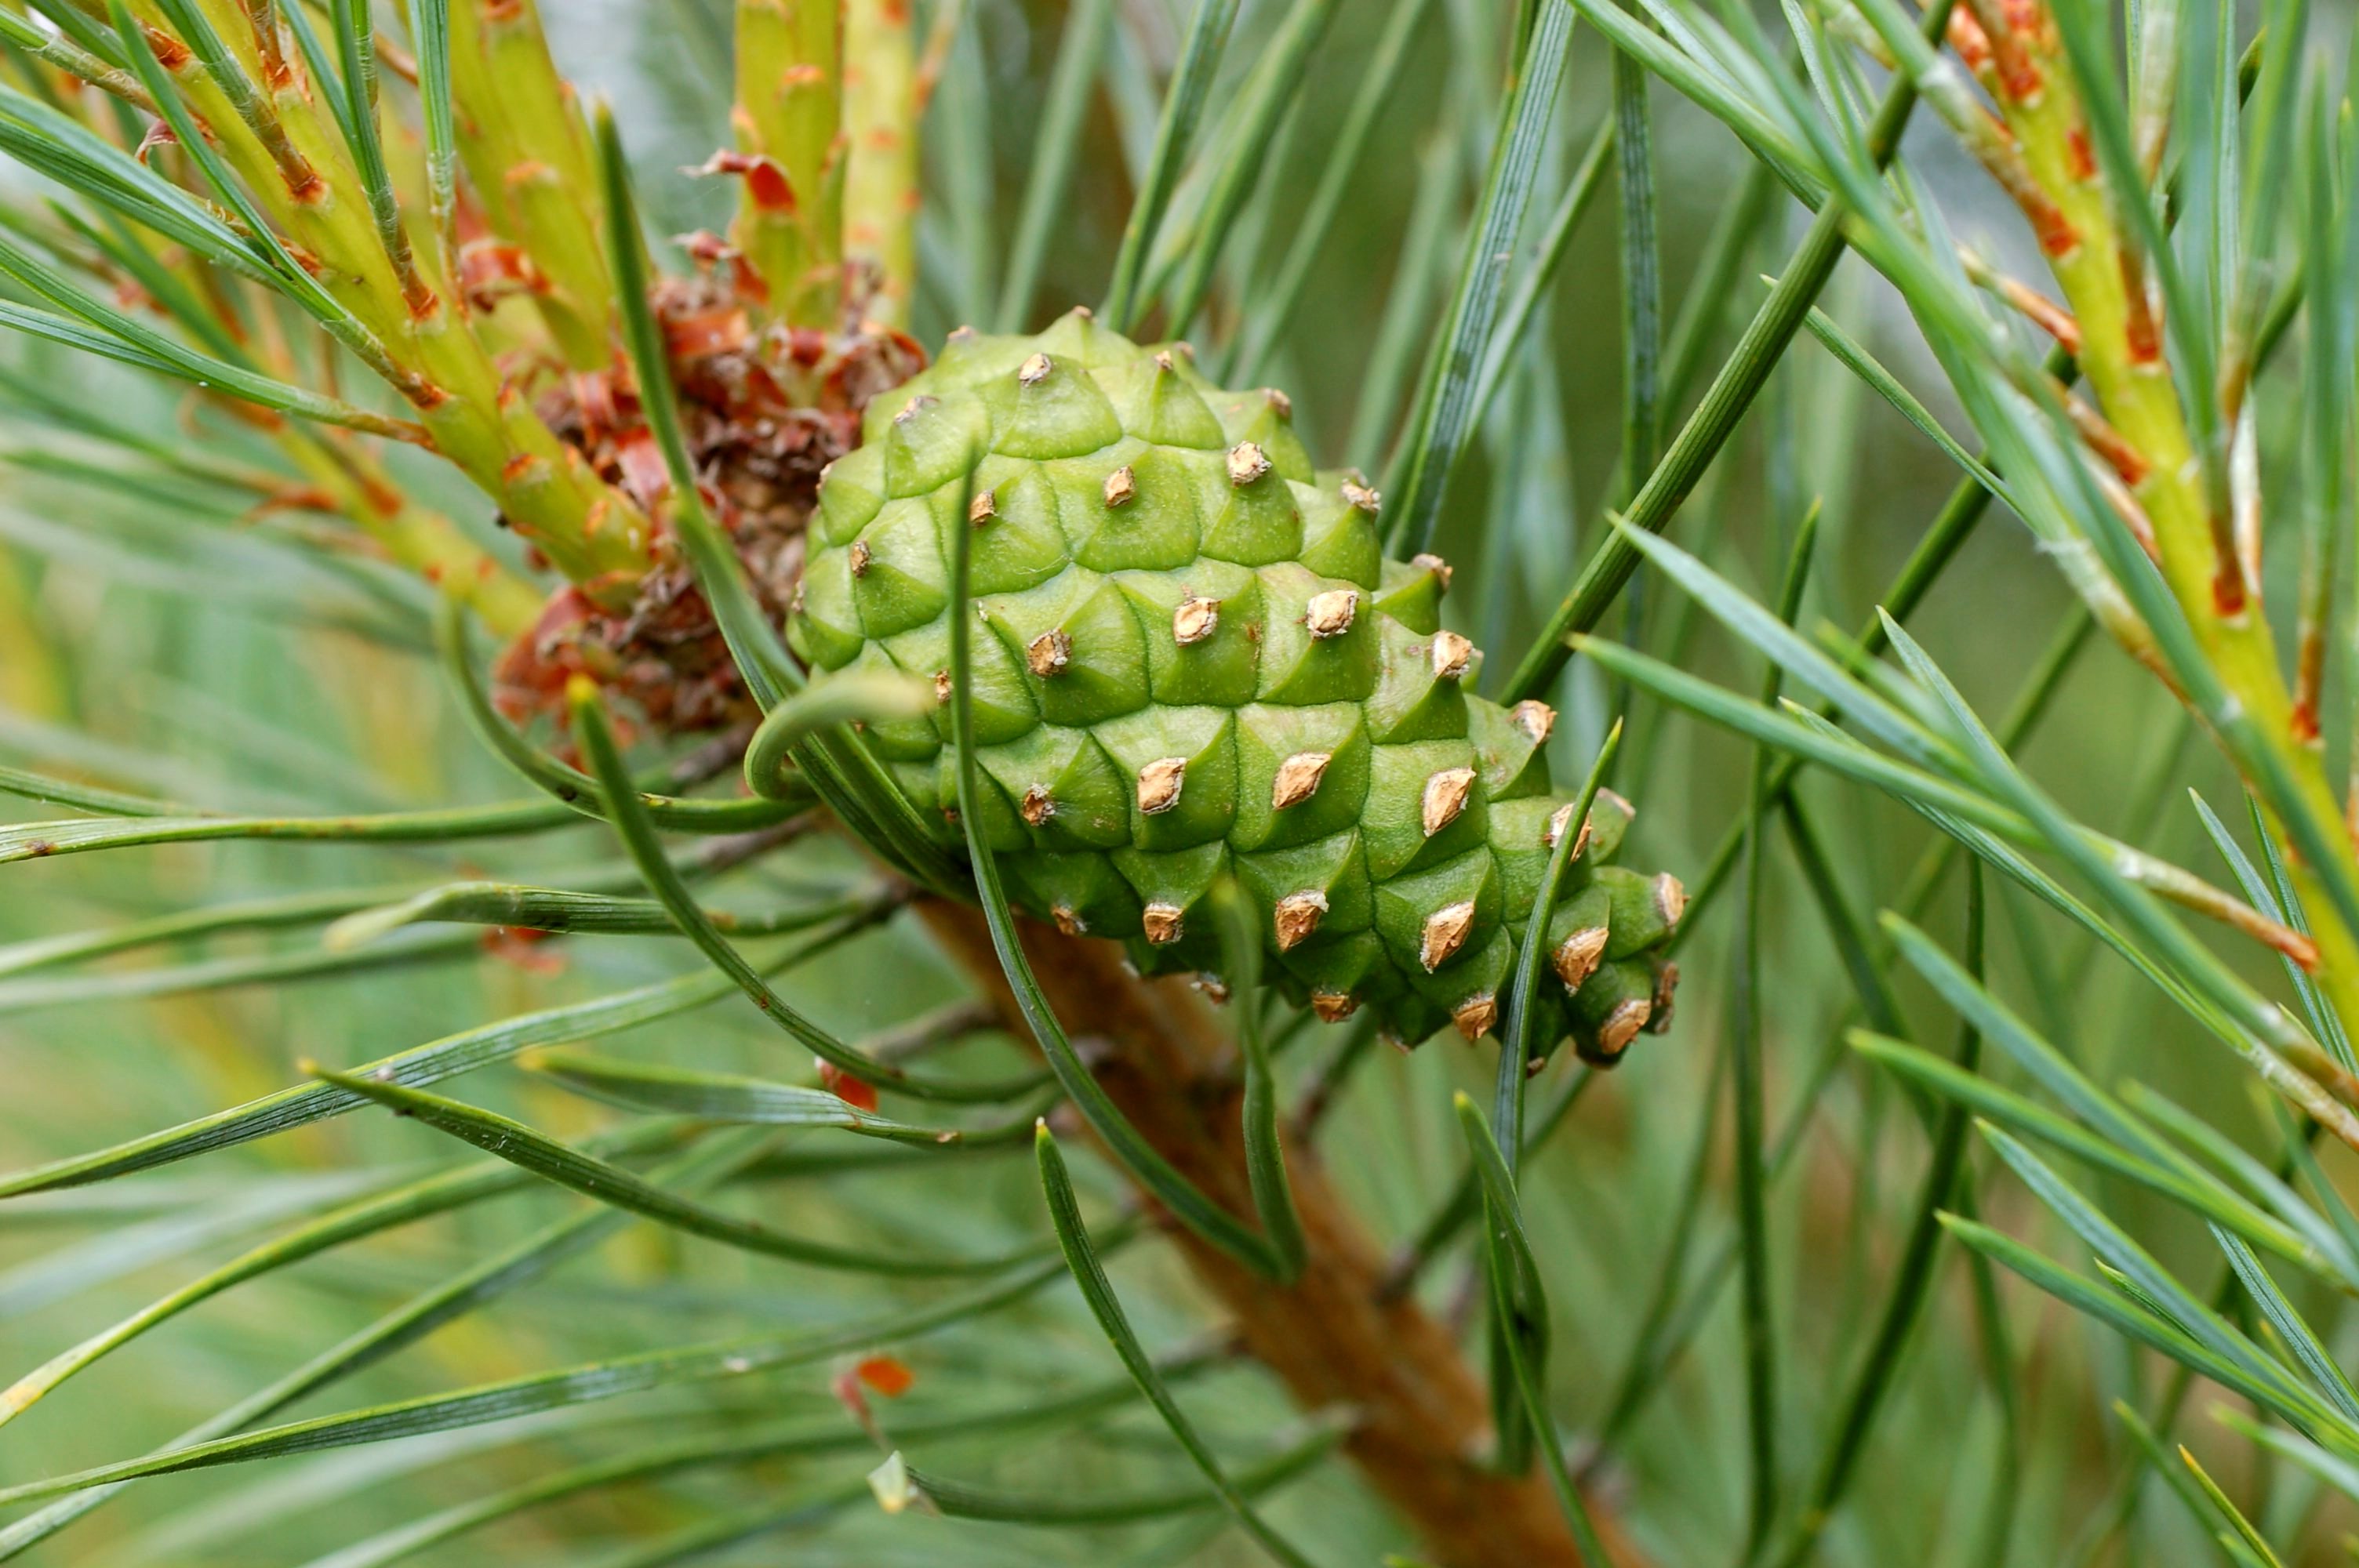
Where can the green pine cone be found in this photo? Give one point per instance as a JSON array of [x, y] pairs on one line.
[[1200, 662]]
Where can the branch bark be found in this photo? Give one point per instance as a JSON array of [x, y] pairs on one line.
[[1332, 1337]]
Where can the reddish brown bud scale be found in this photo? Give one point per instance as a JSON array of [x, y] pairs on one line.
[[2228, 593], [2084, 157], [1972, 45], [766, 183], [2144, 340]]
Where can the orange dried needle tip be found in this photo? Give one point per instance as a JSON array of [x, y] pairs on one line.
[[887, 1374]]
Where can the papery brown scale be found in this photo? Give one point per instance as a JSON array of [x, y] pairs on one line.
[[490, 272], [715, 332]]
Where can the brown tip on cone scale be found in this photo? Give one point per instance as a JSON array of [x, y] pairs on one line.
[[1038, 806], [1163, 360], [1451, 655], [1213, 987], [1359, 495], [961, 334], [1195, 619], [1297, 915], [915, 407], [1333, 1007], [1627, 809], [1555, 830], [1445, 797], [1279, 404], [1329, 614], [1083, 311], [1159, 783], [1034, 370], [1577, 956], [1535, 718], [1476, 1016], [1298, 778], [1445, 933], [1622, 1025], [1048, 653], [1121, 486], [1426, 561], [795, 603], [860, 557], [1670, 898], [1069, 920], [1667, 983], [1162, 922], [1247, 462], [942, 688], [983, 508]]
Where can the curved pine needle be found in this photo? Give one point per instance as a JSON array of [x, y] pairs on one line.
[[1516, 1060], [610, 1183], [1513, 332], [506, 1270], [1465, 1204], [571, 785], [1273, 308], [1183, 107], [513, 1397], [1418, 475], [1270, 95], [1517, 1277], [1080, 44], [1081, 1257], [761, 658], [1725, 401], [356, 54], [562, 910], [284, 272], [284, 967], [1187, 1203], [1273, 1195], [664, 881], [429, 31], [463, 1052], [733, 1097], [841, 769], [36, 840], [1946, 1185], [1523, 1043], [1063, 1511], [242, 914], [779, 1441], [402, 1204], [825, 704]]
